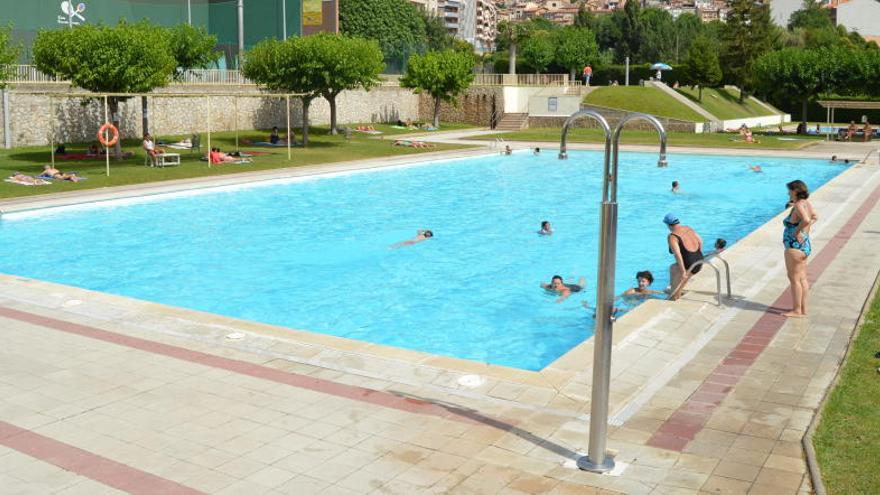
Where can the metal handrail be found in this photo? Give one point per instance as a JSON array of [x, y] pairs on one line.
[[707, 262], [865, 159], [712, 256]]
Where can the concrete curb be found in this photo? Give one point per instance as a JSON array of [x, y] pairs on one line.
[[813, 467]]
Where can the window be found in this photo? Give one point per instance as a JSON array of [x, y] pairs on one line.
[[552, 103]]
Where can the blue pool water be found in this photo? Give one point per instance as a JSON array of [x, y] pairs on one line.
[[315, 254]]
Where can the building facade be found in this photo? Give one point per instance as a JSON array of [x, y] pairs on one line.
[[262, 18]]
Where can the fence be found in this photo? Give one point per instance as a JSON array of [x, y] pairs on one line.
[[30, 74]]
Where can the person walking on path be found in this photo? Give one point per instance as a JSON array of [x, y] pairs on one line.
[[796, 239], [588, 74]]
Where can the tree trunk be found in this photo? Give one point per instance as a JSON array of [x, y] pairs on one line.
[[437, 112], [331, 99], [511, 64], [113, 103], [571, 73], [145, 115], [804, 112], [305, 123]]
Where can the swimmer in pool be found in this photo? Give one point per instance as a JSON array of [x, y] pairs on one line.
[[756, 169], [507, 150], [546, 229], [564, 290], [675, 187], [537, 151], [421, 235], [644, 279]]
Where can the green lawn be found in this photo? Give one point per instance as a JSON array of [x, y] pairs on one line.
[[847, 441], [642, 99], [709, 140], [724, 103], [323, 148]]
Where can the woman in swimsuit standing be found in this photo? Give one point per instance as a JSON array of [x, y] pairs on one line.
[[796, 239], [687, 248]]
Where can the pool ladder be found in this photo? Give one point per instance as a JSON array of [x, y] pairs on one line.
[[865, 159], [706, 261]]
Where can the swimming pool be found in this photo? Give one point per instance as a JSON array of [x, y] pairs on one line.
[[314, 254]]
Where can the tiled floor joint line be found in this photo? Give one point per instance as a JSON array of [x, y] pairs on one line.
[[362, 394], [85, 463], [691, 417]]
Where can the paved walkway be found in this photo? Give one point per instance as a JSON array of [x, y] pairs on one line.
[[103, 394]]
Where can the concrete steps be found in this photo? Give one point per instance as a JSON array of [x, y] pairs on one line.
[[512, 122]]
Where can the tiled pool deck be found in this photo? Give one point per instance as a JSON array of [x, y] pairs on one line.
[[104, 394]]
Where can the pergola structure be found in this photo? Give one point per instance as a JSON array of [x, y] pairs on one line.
[[105, 96], [831, 105]]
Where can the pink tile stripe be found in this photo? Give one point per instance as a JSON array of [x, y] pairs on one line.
[[85, 463], [689, 419], [362, 394]]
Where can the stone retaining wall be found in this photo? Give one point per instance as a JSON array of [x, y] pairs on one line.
[[34, 116], [613, 116], [473, 107]]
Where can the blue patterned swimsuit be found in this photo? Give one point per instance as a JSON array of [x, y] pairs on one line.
[[789, 239]]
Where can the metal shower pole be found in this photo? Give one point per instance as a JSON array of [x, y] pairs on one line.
[[189, 12], [597, 459], [240, 31], [284, 19]]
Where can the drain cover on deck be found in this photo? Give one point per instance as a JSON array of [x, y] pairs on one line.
[[71, 303], [235, 336], [471, 381]]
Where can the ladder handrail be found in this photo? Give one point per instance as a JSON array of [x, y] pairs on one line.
[[717, 276], [712, 256]]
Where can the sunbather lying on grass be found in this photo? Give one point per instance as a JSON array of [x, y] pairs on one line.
[[407, 143], [52, 173]]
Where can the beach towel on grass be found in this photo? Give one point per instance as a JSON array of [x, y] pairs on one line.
[[42, 182]]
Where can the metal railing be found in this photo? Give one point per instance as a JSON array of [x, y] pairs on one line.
[[212, 76], [707, 262], [30, 74]]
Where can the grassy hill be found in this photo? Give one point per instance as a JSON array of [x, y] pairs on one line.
[[642, 99], [724, 103]]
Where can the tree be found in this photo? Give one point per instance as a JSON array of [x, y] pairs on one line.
[[702, 64], [287, 66], [510, 35], [8, 55], [346, 63], [126, 58], [437, 37], [192, 48], [398, 25], [799, 75], [631, 30], [538, 51], [687, 28], [657, 43], [443, 75], [748, 34], [575, 48], [584, 18], [811, 16]]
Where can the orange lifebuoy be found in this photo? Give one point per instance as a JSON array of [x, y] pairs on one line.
[[114, 132]]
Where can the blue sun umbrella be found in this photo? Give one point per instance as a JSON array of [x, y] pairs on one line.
[[659, 67]]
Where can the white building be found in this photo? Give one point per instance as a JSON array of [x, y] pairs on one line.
[[474, 21], [861, 16]]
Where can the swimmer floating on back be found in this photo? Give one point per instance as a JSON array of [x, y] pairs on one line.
[[421, 235], [564, 290], [675, 187]]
